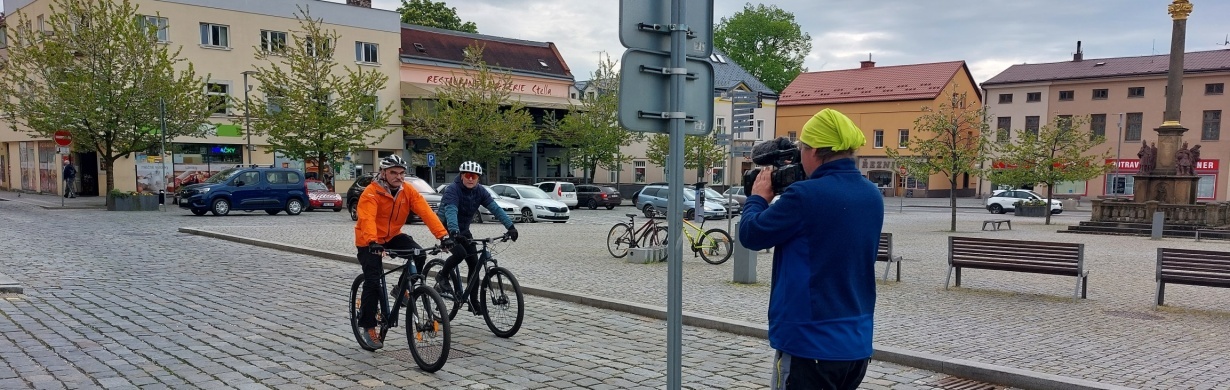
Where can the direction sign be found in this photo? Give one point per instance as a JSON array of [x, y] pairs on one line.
[[431, 160], [644, 93], [645, 24], [63, 138]]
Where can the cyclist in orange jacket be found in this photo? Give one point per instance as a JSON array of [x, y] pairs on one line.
[[382, 210]]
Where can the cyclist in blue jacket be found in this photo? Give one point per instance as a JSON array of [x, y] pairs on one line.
[[461, 202]]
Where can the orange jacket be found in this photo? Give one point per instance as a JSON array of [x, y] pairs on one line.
[[381, 216]]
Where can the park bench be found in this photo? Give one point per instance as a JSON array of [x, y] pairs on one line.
[[885, 254], [1052, 258], [1191, 267], [996, 223]]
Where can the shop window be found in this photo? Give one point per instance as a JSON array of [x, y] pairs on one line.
[[1120, 184], [1206, 188]]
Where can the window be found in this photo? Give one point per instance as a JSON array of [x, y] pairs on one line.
[[1031, 125], [219, 97], [1214, 89], [273, 103], [1005, 98], [1097, 126], [903, 138], [760, 129], [879, 138], [249, 178], [1211, 129], [369, 109], [1033, 97], [1136, 92], [1134, 122], [366, 52], [1121, 184], [42, 25], [312, 47], [1063, 122], [638, 170], [1003, 131], [614, 175], [4, 36], [1205, 186], [215, 35], [719, 125], [273, 41], [1067, 95], [1101, 94], [159, 25]]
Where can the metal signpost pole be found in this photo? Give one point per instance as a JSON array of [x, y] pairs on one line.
[[674, 283], [1118, 150], [162, 122]]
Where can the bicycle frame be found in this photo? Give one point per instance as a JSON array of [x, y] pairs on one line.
[[410, 277], [485, 264], [641, 233]]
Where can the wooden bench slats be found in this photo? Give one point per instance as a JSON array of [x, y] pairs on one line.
[[1198, 267], [1198, 280], [1051, 258], [1191, 267], [1065, 258]]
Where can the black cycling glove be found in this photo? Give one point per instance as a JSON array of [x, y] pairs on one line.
[[512, 233], [375, 248], [447, 243]]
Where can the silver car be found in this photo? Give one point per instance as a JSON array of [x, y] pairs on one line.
[[1002, 201], [532, 203]]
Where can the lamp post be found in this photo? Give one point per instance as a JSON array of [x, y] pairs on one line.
[[247, 108]]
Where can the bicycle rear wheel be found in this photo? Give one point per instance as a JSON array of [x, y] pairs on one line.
[[452, 284], [427, 329], [619, 240], [715, 246], [503, 304], [356, 301]]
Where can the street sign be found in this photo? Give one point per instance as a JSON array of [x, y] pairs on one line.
[[63, 138], [721, 142], [644, 82], [721, 136], [742, 107], [645, 24], [62, 150], [431, 160]]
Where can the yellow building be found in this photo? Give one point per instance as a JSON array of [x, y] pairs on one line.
[[884, 102], [220, 38]]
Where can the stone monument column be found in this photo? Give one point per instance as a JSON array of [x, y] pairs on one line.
[[1164, 184]]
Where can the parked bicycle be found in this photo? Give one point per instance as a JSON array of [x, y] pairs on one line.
[[626, 236], [427, 324], [502, 304], [713, 245]]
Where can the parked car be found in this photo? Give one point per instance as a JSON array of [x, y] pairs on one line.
[[250, 188], [731, 205], [319, 196], [560, 190], [532, 203], [356, 189], [735, 193], [594, 196], [652, 200], [1002, 201], [485, 215]]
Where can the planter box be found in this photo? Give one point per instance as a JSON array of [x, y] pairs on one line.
[[646, 255], [1030, 211], [133, 203]]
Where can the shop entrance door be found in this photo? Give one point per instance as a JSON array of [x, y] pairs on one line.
[[87, 173]]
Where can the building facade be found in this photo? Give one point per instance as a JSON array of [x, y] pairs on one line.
[[1124, 98]]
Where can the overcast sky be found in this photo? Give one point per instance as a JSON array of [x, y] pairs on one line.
[[989, 35]]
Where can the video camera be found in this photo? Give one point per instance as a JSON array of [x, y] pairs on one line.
[[782, 155]]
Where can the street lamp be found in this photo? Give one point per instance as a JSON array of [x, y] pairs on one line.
[[247, 108]]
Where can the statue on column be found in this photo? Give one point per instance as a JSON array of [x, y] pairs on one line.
[[1148, 157], [1195, 152], [1183, 161]]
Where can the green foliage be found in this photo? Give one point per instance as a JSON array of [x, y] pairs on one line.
[[766, 41], [1056, 154], [309, 111], [591, 132], [99, 74], [948, 140], [700, 152], [433, 14], [473, 116]]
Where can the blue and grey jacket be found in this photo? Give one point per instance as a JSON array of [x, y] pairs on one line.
[[460, 204]]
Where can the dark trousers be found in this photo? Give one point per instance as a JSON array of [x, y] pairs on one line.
[[794, 373], [467, 252], [373, 268], [68, 188]]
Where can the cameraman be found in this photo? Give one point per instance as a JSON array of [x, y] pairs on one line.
[[826, 230]]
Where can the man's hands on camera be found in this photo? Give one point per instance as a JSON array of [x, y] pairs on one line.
[[375, 248], [764, 184]]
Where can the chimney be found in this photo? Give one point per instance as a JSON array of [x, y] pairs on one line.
[[867, 64], [360, 3], [1079, 56]]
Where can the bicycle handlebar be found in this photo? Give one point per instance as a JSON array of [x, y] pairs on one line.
[[432, 250], [501, 238]]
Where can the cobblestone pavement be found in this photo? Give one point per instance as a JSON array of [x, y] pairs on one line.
[[120, 300], [1026, 321]]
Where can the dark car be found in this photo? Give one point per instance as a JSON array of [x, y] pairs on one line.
[[356, 189], [594, 196], [250, 188]]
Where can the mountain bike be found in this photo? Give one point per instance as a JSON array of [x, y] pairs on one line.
[[502, 304], [427, 324], [623, 236], [713, 245]]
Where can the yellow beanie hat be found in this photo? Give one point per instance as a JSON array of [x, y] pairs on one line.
[[832, 129]]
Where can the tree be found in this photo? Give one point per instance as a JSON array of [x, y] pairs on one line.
[[947, 140], [310, 112], [473, 116], [591, 132], [1055, 154], [433, 14], [766, 41], [103, 77], [699, 152]]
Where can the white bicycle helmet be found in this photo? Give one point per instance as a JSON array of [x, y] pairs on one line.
[[472, 167], [391, 161]]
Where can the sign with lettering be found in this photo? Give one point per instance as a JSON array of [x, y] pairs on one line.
[[1206, 166]]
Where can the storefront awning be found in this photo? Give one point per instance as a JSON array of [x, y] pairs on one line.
[[417, 90]]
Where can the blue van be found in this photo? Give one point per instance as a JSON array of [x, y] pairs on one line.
[[251, 188]]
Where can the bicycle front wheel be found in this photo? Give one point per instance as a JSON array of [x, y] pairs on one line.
[[503, 304], [451, 283], [619, 240], [427, 329], [356, 304], [715, 246]]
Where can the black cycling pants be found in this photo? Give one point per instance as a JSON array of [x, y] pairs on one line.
[[465, 249], [373, 268]]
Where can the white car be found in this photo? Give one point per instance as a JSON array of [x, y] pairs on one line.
[[485, 215], [1002, 201], [560, 190], [533, 204]]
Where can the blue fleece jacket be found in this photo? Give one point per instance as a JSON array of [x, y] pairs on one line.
[[459, 204], [825, 232]]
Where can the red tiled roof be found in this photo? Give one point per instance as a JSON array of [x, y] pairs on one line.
[[511, 54], [1198, 61], [881, 83]]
